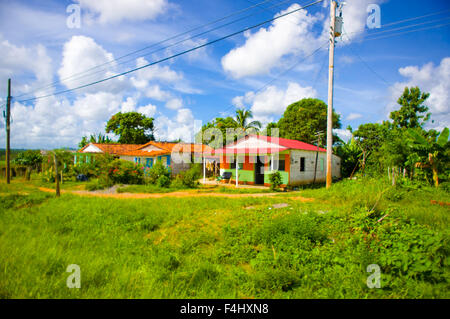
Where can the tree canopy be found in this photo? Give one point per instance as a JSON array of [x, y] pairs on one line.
[[303, 119], [412, 113], [131, 127]]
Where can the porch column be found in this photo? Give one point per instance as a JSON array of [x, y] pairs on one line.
[[237, 171], [204, 170]]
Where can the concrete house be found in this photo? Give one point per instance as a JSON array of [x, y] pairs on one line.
[[259, 156], [146, 154]]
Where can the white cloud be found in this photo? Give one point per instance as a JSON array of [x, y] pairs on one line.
[[273, 100], [155, 92], [174, 104], [156, 72], [148, 110], [353, 116], [355, 16], [82, 53], [432, 79], [284, 36], [17, 61], [345, 135], [181, 127], [97, 106], [112, 11]]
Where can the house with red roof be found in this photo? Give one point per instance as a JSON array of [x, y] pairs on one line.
[[255, 157], [147, 154]]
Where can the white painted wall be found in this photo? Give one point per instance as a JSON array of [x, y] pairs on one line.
[[92, 149], [253, 142], [297, 177]]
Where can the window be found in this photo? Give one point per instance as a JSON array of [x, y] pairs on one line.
[[279, 165], [233, 165], [302, 164]]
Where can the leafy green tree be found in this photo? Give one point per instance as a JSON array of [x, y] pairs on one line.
[[269, 128], [370, 138], [218, 130], [99, 138], [131, 127], [412, 113], [30, 159], [242, 117], [350, 154], [431, 152], [303, 119]]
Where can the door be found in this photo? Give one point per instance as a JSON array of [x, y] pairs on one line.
[[259, 171]]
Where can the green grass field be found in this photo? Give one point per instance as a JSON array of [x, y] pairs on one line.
[[211, 247]]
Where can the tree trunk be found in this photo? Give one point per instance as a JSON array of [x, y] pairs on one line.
[[28, 173], [435, 176]]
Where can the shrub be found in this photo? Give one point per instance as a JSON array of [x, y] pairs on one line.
[[157, 171], [188, 179], [163, 181], [275, 180], [95, 185], [123, 172]]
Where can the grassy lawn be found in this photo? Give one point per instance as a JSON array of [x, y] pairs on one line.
[[199, 189], [211, 247]]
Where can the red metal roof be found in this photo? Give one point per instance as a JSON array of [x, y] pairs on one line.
[[284, 144]]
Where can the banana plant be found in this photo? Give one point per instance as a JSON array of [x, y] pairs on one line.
[[433, 147]]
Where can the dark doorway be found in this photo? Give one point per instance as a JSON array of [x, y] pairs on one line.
[[259, 171]]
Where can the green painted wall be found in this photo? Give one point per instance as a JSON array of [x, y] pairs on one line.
[[284, 177], [244, 176]]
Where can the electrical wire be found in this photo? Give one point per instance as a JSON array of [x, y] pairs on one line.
[[363, 61], [84, 74], [173, 56], [281, 74]]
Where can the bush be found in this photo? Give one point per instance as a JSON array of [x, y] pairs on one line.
[[157, 171], [275, 180], [188, 179], [95, 185], [163, 181], [123, 172]]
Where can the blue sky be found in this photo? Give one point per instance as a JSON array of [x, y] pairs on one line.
[[264, 69]]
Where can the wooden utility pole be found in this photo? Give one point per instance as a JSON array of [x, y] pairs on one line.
[[319, 135], [333, 6], [58, 193], [8, 129]]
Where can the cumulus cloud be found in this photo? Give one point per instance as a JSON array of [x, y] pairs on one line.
[[182, 126], [174, 104], [20, 60], [353, 116], [286, 36], [299, 34], [432, 79], [345, 135], [355, 16], [272, 101], [113, 11], [82, 53]]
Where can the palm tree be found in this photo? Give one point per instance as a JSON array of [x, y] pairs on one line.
[[242, 116], [434, 147]]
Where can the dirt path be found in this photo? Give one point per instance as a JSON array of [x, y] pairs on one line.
[[173, 194]]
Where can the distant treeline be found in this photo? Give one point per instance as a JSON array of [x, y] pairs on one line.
[[14, 153]]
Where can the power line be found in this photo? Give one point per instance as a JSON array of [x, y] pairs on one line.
[[86, 73], [364, 62], [400, 33], [402, 21], [282, 73], [173, 56]]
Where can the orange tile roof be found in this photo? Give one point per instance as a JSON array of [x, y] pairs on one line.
[[140, 153], [114, 149], [136, 149]]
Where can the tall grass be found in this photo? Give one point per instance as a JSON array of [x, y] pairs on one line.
[[212, 247]]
